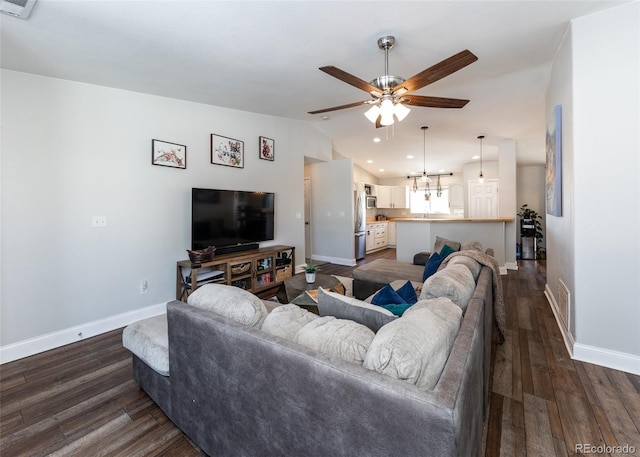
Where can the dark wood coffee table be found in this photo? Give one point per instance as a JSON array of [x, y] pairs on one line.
[[293, 289]]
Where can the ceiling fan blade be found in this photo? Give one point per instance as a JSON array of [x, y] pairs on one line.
[[335, 108], [434, 102], [439, 71], [349, 79]]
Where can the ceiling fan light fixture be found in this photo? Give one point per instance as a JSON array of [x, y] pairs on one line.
[[400, 111], [373, 113], [386, 112]]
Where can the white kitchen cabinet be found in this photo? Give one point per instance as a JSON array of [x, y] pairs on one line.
[[377, 236], [393, 197], [370, 238], [392, 233], [400, 197], [384, 196]]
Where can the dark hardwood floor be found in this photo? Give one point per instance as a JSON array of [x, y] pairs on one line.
[[80, 399]]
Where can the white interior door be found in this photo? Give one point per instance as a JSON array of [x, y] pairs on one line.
[[307, 218], [483, 199]]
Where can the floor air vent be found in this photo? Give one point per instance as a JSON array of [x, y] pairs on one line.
[[564, 301], [17, 8]]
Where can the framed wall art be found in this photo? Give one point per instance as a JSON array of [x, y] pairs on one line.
[[553, 174], [168, 154], [266, 148], [227, 151]]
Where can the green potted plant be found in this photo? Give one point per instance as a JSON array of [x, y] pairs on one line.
[[529, 214], [310, 270]]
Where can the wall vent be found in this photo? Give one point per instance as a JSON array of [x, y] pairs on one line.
[[17, 8], [564, 302]]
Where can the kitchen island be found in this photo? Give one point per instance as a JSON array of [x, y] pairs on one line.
[[419, 234]]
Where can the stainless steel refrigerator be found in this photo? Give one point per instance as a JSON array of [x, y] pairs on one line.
[[360, 223]]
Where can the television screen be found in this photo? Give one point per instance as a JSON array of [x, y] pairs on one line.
[[223, 218]]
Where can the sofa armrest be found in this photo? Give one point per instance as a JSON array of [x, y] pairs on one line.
[[421, 258]]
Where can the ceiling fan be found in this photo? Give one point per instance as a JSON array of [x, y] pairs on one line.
[[391, 93]]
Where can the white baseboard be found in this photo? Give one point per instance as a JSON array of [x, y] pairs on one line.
[[622, 361], [337, 260], [54, 340]]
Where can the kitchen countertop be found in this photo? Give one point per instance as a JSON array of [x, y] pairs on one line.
[[423, 219]]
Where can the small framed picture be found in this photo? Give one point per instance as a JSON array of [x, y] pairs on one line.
[[227, 151], [267, 148], [168, 154]]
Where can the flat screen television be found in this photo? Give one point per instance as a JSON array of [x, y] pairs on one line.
[[231, 220]]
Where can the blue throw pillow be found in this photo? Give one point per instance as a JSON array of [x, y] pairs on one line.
[[432, 265], [397, 308], [446, 250], [387, 296], [408, 293]]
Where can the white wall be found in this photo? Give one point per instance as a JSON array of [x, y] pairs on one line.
[[71, 151], [595, 79]]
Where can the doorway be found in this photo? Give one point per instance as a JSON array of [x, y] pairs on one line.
[[483, 199], [307, 218]]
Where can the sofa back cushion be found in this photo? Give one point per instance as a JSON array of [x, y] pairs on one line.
[[415, 347], [231, 302], [340, 338], [286, 321], [472, 264], [454, 282]]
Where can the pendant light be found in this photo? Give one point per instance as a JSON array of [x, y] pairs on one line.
[[424, 177], [481, 180]]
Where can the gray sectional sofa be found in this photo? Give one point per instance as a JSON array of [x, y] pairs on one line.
[[239, 383]]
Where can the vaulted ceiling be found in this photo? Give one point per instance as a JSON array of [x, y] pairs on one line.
[[264, 56]]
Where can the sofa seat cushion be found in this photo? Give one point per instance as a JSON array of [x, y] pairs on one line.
[[231, 302], [341, 307], [384, 271], [416, 347], [340, 338], [149, 340], [454, 282], [286, 321]]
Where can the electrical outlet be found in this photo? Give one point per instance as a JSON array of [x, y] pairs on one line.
[[99, 221], [144, 287]]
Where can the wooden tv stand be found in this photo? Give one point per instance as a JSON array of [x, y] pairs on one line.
[[260, 271]]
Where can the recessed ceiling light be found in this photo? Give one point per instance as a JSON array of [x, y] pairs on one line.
[[376, 140], [369, 161], [440, 171], [325, 118], [381, 169], [410, 157], [475, 157]]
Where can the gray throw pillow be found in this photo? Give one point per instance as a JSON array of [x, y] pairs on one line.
[[440, 242], [341, 307]]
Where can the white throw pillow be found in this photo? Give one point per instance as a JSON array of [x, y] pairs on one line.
[[285, 321], [415, 348], [454, 282], [341, 338], [231, 302]]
